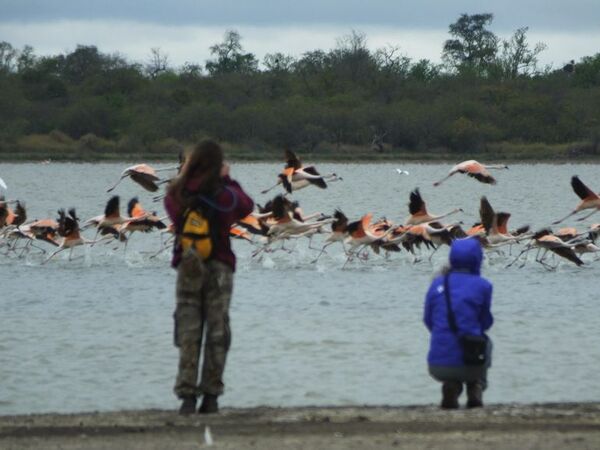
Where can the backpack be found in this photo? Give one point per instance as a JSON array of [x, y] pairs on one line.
[[199, 229]]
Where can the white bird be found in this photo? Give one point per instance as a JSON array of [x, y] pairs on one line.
[[402, 172], [3, 184], [208, 440]]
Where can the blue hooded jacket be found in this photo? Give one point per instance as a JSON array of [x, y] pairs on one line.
[[471, 297]]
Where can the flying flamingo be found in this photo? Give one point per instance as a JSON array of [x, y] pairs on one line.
[[362, 233], [144, 175], [339, 232], [295, 176], [495, 225], [473, 169], [545, 241], [418, 210], [111, 221], [589, 199], [68, 229], [139, 220]]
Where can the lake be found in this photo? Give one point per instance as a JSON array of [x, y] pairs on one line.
[[95, 333]]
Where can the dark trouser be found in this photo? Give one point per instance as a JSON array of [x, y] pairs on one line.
[[464, 374], [203, 297]]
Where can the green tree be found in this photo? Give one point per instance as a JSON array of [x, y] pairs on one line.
[[474, 47], [278, 62], [8, 56], [587, 71], [230, 57], [84, 62], [517, 58]]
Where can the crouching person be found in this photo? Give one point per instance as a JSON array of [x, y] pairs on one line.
[[457, 314], [203, 202]]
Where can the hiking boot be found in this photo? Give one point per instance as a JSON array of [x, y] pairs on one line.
[[474, 395], [450, 392], [188, 406], [209, 405]]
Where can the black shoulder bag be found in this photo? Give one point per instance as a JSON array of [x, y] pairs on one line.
[[474, 347]]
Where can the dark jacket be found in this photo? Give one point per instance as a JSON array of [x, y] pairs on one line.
[[234, 202], [471, 297]]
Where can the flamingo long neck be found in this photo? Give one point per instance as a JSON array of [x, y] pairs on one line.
[[495, 166], [435, 218]]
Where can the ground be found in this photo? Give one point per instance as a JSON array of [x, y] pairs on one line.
[[547, 426]]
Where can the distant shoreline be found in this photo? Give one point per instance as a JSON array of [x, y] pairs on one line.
[[57, 147]]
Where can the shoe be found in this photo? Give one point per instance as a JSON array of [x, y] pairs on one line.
[[451, 390], [188, 406], [474, 395], [209, 405]]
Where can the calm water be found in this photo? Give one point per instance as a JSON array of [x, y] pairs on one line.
[[96, 333]]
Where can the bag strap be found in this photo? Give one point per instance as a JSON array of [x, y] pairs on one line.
[[451, 317], [212, 203]]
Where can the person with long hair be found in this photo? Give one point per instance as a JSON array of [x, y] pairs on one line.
[[204, 286]]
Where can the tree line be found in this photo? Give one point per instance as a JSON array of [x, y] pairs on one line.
[[486, 91]]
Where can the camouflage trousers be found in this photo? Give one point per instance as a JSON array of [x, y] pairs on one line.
[[203, 296]]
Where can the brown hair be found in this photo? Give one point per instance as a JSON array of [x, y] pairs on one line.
[[203, 163]]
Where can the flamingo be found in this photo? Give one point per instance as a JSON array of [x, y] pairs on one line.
[[111, 221], [418, 210], [473, 169], [495, 225], [594, 231], [339, 232], [362, 233], [68, 229], [546, 241], [144, 175], [253, 225], [139, 220], [295, 176], [42, 230], [45, 230], [580, 246], [589, 199]]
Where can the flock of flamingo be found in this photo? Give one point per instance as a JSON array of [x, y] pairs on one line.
[[281, 220]]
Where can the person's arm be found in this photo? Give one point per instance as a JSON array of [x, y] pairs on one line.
[[428, 314], [172, 209], [487, 320], [245, 204]]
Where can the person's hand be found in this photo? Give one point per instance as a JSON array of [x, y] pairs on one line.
[[224, 170]]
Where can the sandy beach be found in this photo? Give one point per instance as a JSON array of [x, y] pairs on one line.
[[537, 426]]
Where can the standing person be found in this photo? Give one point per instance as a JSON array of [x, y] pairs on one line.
[[469, 296], [204, 286]]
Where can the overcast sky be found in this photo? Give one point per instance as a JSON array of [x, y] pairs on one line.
[[185, 29]]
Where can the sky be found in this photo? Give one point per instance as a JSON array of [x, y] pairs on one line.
[[185, 29]]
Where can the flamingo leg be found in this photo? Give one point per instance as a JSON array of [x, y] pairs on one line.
[[433, 252], [272, 187], [348, 259], [25, 247], [321, 253], [588, 215], [54, 254], [437, 183], [116, 184], [564, 218], [526, 249]]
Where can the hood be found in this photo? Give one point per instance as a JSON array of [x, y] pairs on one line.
[[466, 254]]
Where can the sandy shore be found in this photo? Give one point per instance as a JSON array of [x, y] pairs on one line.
[[544, 426]]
